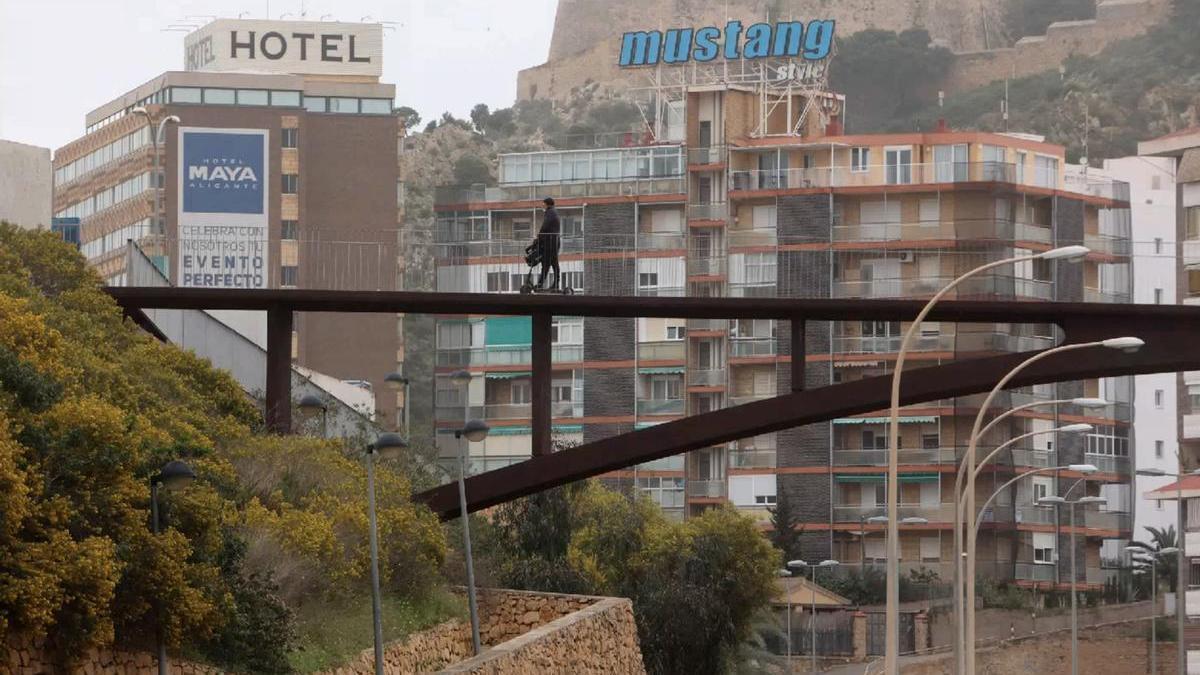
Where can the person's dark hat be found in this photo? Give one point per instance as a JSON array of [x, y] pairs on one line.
[[548, 201]]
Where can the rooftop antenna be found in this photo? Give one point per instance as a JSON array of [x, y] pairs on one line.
[[323, 17]]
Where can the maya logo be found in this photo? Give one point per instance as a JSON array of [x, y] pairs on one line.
[[223, 172]]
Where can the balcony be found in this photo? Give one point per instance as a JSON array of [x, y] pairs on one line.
[[748, 398], [1107, 463], [1191, 427], [694, 325], [888, 344], [849, 513], [1031, 232], [1107, 520], [717, 211], [759, 458], [671, 350], [659, 241], [752, 290], [1035, 515], [706, 266], [1191, 253], [713, 154], [1029, 571], [505, 411], [856, 457], [562, 189], [1107, 243], [751, 347], [706, 489], [1033, 458], [505, 356], [897, 231], [1099, 295], [879, 175], [706, 377], [660, 406]]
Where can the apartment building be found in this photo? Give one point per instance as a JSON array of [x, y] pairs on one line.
[[277, 167], [750, 192], [24, 184]]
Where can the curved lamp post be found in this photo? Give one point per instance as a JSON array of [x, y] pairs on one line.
[[156, 138], [812, 612], [892, 650], [310, 405], [1126, 344], [387, 445], [474, 431], [787, 574], [1074, 578], [175, 475], [1152, 558]]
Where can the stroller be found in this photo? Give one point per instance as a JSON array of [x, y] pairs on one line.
[[533, 258]]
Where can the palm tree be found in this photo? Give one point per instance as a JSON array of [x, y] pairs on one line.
[[1160, 538]]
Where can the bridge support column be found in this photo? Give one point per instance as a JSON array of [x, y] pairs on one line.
[[540, 396], [278, 398], [799, 352]]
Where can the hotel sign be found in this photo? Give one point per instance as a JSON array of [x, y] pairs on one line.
[[783, 40], [286, 47]]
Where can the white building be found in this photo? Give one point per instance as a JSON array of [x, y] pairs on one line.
[[25, 187], [1156, 441]]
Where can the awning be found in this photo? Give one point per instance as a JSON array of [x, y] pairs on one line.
[[664, 370], [526, 431], [508, 330], [879, 478], [506, 375], [855, 364], [916, 419]]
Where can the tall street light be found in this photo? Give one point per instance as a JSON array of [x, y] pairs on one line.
[[1125, 344], [787, 575], [892, 641], [397, 382], [474, 431], [960, 517], [1152, 558], [156, 138], [387, 445], [1072, 503], [812, 612], [1180, 586], [175, 475]]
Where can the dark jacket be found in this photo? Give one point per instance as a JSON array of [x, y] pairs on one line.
[[550, 223]]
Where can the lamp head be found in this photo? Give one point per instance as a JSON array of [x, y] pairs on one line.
[[475, 430], [1052, 499], [1157, 473], [913, 520], [1091, 500], [174, 119], [1068, 253], [829, 563], [1170, 550], [1128, 345], [783, 573], [387, 445], [461, 377], [1075, 428], [395, 381], [175, 475], [1090, 402], [793, 564], [1083, 468], [878, 520], [311, 404], [140, 110]]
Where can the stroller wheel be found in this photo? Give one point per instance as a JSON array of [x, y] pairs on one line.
[[569, 291], [526, 289]]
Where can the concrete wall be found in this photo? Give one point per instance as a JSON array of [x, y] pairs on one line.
[[26, 187]]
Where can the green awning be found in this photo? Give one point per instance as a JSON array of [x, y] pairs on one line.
[[526, 431], [645, 425], [508, 330], [879, 478], [567, 429], [506, 375], [918, 419], [664, 370]]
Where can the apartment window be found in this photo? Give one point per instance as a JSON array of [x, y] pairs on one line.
[[314, 104], [288, 137], [291, 182], [1021, 166], [185, 95], [1158, 295], [860, 159], [289, 99], [1158, 449], [1041, 488], [764, 500], [498, 282], [376, 106], [1158, 504], [873, 441], [289, 229], [648, 280], [288, 275], [931, 549], [219, 97], [252, 97], [560, 391], [931, 441], [521, 392], [573, 281], [676, 332], [665, 388], [760, 268], [1043, 547], [1158, 398], [1106, 441], [343, 105], [566, 332]]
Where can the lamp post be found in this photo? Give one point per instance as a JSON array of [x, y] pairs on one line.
[[1180, 587], [396, 382], [474, 431], [892, 641], [812, 612], [310, 405], [155, 139], [1074, 575], [175, 475], [787, 574], [1153, 560], [387, 445], [1126, 344]]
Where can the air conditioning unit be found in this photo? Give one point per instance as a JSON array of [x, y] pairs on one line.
[[907, 256]]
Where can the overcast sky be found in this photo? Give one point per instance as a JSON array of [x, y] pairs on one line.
[[61, 58]]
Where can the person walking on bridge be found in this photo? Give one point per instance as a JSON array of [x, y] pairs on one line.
[[548, 241]]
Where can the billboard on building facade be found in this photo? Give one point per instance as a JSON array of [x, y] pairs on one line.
[[223, 224], [291, 47]]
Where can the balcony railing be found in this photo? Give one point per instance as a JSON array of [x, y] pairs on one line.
[[1035, 515], [704, 488], [706, 266], [878, 175], [658, 241], [747, 347], [496, 356], [672, 350], [706, 377], [657, 406], [849, 457], [852, 513], [595, 187], [713, 154], [1030, 571], [1108, 463], [1034, 458], [1107, 243], [1191, 252], [1032, 232], [707, 324], [1098, 295], [748, 398], [752, 459], [1107, 520], [885, 344], [717, 211]]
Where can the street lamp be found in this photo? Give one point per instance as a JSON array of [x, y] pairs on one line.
[[155, 140], [1152, 558], [1180, 592], [787, 574], [474, 431], [175, 475], [310, 405], [387, 445], [812, 616], [1074, 578], [396, 382], [1124, 344], [892, 642]]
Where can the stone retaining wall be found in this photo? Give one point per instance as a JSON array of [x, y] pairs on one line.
[[31, 656]]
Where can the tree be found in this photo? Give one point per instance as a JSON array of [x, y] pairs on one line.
[[409, 116], [1031, 17], [472, 169], [786, 527], [1160, 538], [886, 75]]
